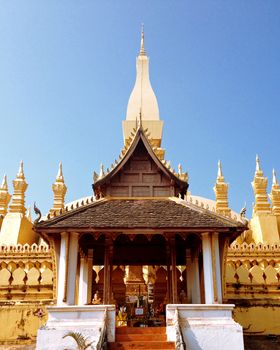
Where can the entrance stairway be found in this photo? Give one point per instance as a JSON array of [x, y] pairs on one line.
[[130, 338]]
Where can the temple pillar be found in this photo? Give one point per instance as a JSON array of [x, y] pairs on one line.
[[217, 268], [207, 268], [89, 272], [174, 293], [72, 267], [196, 293], [107, 270], [168, 273], [189, 271], [62, 269], [83, 281]]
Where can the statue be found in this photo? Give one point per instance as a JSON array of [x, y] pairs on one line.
[[122, 317], [96, 298]]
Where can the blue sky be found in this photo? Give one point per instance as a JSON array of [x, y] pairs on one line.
[[67, 69]]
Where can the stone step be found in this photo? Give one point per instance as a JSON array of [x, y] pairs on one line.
[[141, 330], [139, 336], [129, 345]]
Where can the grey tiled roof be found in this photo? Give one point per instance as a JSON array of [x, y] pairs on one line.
[[146, 213]]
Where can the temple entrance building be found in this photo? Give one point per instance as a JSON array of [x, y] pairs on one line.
[[140, 235]]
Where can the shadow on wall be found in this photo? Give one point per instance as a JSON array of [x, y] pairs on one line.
[[188, 335]]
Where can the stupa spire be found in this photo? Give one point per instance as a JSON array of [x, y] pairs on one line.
[[20, 186], [59, 191], [221, 192], [4, 196], [275, 194], [142, 45], [142, 97], [259, 185]]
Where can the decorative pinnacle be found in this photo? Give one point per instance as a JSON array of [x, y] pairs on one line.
[[274, 178], [258, 167], [142, 48], [220, 173], [180, 169], [59, 176], [20, 174], [4, 185], [101, 173]]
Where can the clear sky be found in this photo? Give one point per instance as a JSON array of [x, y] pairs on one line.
[[67, 69]]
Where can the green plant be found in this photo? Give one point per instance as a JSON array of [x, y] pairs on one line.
[[81, 341]]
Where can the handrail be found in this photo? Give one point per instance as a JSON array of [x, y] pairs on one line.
[[179, 342], [102, 342]]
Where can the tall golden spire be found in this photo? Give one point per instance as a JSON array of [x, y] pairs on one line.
[[259, 185], [59, 190], [275, 195], [20, 186], [221, 192], [4, 196]]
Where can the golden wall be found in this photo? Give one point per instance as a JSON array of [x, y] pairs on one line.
[[253, 285]]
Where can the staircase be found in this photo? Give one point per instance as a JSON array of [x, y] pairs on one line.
[[132, 338]]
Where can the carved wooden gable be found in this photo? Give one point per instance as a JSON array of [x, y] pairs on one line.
[[140, 175]]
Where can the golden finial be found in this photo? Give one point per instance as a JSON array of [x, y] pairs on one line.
[[220, 172], [274, 178], [4, 185], [20, 174], [221, 192], [275, 195], [59, 176], [59, 191], [258, 167], [4, 196], [20, 186], [142, 48]]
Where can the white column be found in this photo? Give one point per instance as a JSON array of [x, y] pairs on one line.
[[218, 267], [72, 268], [89, 272], [83, 281], [207, 268], [196, 297], [61, 276]]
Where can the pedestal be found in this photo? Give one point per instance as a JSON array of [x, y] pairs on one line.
[[87, 320], [205, 327]]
